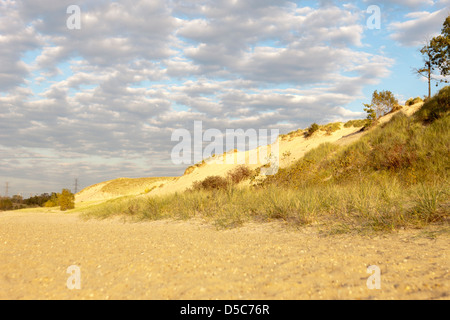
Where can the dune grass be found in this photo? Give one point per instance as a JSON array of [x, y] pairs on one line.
[[396, 176], [372, 204]]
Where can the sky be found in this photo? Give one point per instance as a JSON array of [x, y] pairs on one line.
[[101, 101]]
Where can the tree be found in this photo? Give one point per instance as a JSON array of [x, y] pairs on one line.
[[66, 200], [436, 53], [371, 114], [427, 70], [440, 50], [6, 204], [38, 200], [53, 201], [382, 103]]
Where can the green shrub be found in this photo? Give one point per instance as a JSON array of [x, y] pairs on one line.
[[310, 131]]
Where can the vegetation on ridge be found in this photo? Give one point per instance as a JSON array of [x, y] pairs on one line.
[[396, 176]]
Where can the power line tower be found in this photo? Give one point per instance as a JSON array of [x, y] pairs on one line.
[[76, 185], [6, 189]]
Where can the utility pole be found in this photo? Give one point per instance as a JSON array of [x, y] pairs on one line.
[[76, 185], [6, 189]]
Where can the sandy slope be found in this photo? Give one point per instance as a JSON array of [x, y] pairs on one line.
[[191, 260], [119, 187], [297, 146]]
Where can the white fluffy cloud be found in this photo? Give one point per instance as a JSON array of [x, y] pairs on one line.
[[419, 28], [408, 3], [16, 38], [104, 99]]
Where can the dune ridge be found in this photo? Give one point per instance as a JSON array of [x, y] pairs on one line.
[[291, 148]]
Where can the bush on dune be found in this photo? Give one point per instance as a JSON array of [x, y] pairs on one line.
[[239, 174], [211, 183]]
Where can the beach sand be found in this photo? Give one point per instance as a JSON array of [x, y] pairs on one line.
[[193, 260]]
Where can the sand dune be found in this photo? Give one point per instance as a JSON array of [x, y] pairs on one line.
[[296, 145], [120, 187], [192, 260]]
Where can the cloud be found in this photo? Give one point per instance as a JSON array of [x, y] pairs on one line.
[[411, 4], [111, 32], [103, 101], [281, 46], [421, 27], [16, 38]]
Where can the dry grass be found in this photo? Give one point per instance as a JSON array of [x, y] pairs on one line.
[[331, 127], [369, 205], [395, 176]]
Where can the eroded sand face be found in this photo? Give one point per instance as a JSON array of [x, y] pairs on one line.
[[193, 260]]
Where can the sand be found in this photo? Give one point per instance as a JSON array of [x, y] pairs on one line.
[[193, 260], [295, 146]]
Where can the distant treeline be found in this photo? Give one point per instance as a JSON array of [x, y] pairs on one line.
[[18, 202]]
